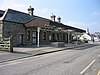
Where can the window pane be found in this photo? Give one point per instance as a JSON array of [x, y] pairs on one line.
[[63, 36], [44, 35], [28, 35]]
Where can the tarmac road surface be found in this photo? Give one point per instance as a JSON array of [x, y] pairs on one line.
[[78, 61]]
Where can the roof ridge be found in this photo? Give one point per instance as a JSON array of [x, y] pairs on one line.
[[18, 11], [75, 27]]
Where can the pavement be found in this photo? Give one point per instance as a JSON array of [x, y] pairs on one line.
[[29, 51]]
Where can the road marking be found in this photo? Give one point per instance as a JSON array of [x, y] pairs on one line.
[[98, 73], [88, 67]]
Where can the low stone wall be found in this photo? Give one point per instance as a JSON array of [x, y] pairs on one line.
[[58, 44]]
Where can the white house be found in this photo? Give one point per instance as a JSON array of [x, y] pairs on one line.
[[85, 36]]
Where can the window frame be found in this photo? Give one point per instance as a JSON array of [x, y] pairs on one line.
[[28, 34]]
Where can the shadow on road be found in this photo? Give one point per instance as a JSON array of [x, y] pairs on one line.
[[16, 52], [86, 47]]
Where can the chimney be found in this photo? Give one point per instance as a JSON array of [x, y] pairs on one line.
[[30, 11], [59, 19], [53, 17]]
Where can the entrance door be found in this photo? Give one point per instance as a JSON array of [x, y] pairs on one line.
[[34, 37], [21, 39]]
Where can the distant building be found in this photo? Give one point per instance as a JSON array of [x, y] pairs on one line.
[[27, 28], [96, 36]]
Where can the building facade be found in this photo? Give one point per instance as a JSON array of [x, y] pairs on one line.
[[27, 28]]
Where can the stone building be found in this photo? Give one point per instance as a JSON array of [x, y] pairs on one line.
[[27, 28]]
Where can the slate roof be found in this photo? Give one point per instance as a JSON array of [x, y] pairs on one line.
[[20, 17], [62, 25], [66, 26], [1, 13], [16, 16]]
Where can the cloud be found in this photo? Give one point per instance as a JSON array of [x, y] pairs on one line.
[[93, 26], [92, 23], [19, 5], [13, 4], [95, 13], [44, 11], [76, 24]]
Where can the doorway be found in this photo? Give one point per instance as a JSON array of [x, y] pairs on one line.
[[34, 37], [21, 39]]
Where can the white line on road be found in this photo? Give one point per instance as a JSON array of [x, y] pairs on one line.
[[88, 66]]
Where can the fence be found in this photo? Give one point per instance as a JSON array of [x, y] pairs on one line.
[[6, 44]]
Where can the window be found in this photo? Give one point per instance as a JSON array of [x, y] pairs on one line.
[[0, 30], [63, 36], [28, 35], [34, 37], [44, 35], [57, 36], [0, 35], [0, 26], [53, 37]]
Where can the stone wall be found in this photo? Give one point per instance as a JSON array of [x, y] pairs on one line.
[[15, 30], [1, 26]]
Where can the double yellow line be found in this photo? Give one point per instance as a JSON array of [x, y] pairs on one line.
[[98, 73]]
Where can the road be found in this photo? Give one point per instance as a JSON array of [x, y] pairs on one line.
[[78, 61]]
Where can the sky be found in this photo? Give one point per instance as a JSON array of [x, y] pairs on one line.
[[77, 13]]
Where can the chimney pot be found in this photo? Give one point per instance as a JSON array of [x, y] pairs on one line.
[[53, 17], [30, 11], [59, 19]]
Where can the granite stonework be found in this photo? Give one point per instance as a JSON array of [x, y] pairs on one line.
[[15, 30], [1, 27], [22, 27]]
